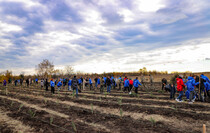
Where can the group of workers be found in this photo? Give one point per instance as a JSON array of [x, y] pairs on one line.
[[188, 86], [78, 84], [183, 85]]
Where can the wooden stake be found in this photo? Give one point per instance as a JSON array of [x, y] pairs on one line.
[[204, 128]]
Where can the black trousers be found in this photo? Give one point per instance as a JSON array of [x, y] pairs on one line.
[[130, 87], [47, 88], [53, 89], [126, 88], [119, 86], [91, 86], [136, 90]]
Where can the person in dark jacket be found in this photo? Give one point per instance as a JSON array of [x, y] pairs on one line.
[[202, 88], [108, 83], [172, 91], [164, 83], [4, 83], [21, 82], [46, 84], [102, 85], [96, 83], [27, 82], [16, 82], [75, 85]]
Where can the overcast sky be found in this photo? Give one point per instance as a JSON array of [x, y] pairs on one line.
[[98, 36]]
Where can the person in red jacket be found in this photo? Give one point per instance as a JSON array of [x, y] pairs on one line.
[[130, 85], [180, 85]]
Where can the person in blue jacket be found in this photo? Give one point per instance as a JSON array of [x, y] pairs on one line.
[[206, 90], [205, 78], [64, 82], [80, 83], [126, 85], [59, 85], [90, 83], [69, 85], [190, 87], [136, 84], [105, 81], [55, 82], [36, 80], [52, 84]]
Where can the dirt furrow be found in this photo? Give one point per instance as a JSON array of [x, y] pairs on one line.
[[41, 120], [110, 119], [11, 125], [176, 122]]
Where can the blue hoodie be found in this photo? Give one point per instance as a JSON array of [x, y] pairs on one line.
[[136, 83], [205, 78], [120, 79], [52, 84], [191, 83], [80, 81], [104, 80], [59, 84], [90, 81], [126, 84], [98, 81], [69, 83], [207, 86]]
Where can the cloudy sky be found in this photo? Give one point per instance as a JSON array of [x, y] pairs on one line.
[[105, 35]]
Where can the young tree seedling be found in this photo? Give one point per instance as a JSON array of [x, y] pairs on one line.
[[120, 101], [152, 121], [121, 113], [20, 107], [45, 101], [74, 127], [12, 104], [92, 108], [51, 120]]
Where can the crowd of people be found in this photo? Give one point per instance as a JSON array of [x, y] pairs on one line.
[[101, 83], [183, 85], [187, 86]]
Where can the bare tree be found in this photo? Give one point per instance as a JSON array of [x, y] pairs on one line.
[[69, 70], [45, 68]]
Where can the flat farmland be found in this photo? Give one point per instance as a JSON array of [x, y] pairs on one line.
[[31, 109]]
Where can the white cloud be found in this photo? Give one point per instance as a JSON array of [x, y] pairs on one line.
[[77, 43], [128, 15], [27, 3], [4, 45], [174, 58], [4, 27], [149, 5]]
